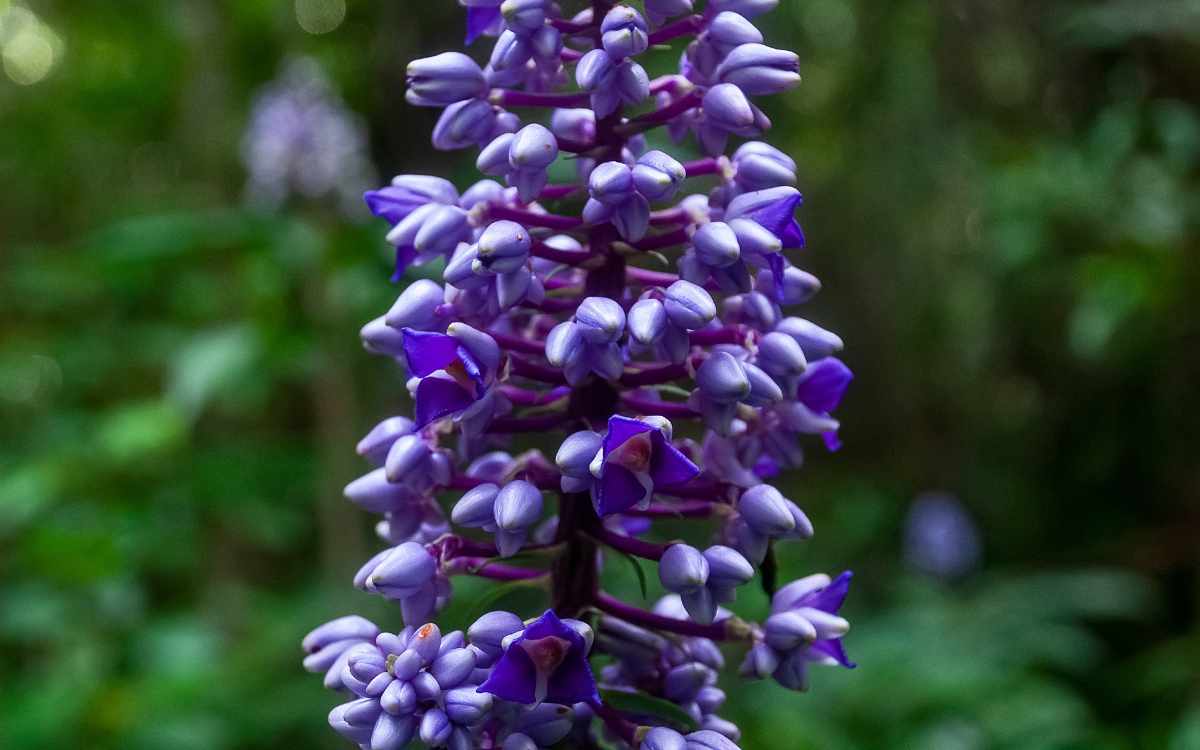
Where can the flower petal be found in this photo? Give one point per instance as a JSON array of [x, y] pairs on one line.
[[823, 385], [668, 466], [513, 678], [429, 352], [439, 397], [618, 489]]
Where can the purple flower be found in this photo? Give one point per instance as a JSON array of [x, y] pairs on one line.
[[940, 537], [635, 459], [456, 371], [546, 662]]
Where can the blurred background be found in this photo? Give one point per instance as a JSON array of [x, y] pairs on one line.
[[1002, 199]]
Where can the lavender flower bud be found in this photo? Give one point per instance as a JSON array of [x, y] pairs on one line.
[[758, 69], [600, 320], [683, 683], [408, 455], [518, 506], [375, 445], [417, 307], [647, 321], [747, 8], [689, 306], [722, 378], [766, 511], [779, 354], [595, 71], [657, 175], [727, 569], [511, 52], [475, 508], [663, 738], [611, 183], [519, 741], [574, 124], [503, 247], [716, 245], [435, 727], [453, 667], [706, 739], [406, 568], [464, 124], [682, 569], [624, 33], [373, 492], [760, 166], [728, 30], [524, 16], [399, 699], [489, 630], [443, 79], [727, 107], [815, 341], [467, 706]]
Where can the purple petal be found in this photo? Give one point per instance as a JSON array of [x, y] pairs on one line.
[[429, 352], [833, 647], [779, 217], [439, 397], [617, 490], [621, 429], [830, 598], [482, 21], [405, 255], [777, 263], [833, 443], [668, 466], [513, 678], [825, 382], [573, 682], [393, 203], [549, 625]]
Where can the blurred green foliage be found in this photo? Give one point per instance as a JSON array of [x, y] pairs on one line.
[[1002, 202]]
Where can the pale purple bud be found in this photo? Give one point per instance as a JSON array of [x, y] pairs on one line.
[[710, 699], [503, 246], [547, 45], [466, 706], [406, 567], [716, 244], [764, 391], [631, 83], [442, 230], [753, 238], [524, 16], [533, 147], [510, 53], [684, 682], [728, 30], [443, 79], [798, 286], [518, 506], [760, 166], [726, 106], [647, 321], [373, 492], [406, 664], [484, 191], [624, 33], [721, 726], [632, 218], [779, 354], [475, 508], [408, 454], [766, 511], [453, 667], [658, 175], [574, 124], [375, 445], [726, 567], [682, 569], [417, 306], [391, 732], [788, 630], [460, 270], [610, 182], [816, 342], [662, 738], [493, 627], [577, 452], [758, 69], [519, 741], [722, 379], [595, 70], [464, 124], [493, 158], [564, 343], [689, 306], [435, 727], [399, 699], [380, 338], [600, 320], [761, 660], [706, 739], [547, 723]]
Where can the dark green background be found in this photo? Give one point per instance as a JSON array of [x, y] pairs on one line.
[[1002, 200]]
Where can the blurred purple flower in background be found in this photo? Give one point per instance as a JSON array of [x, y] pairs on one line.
[[302, 142], [940, 537]]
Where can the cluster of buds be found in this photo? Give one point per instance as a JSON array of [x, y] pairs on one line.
[[677, 394]]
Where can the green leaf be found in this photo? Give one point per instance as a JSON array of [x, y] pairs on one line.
[[641, 704], [637, 568]]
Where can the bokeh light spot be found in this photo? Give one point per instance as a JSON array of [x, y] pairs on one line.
[[320, 16]]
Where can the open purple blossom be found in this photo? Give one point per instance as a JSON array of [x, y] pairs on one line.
[[599, 355]]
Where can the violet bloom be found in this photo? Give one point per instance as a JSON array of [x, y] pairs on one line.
[[546, 662], [583, 312], [940, 537]]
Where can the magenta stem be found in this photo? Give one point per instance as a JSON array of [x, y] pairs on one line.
[[654, 376], [555, 192], [511, 98], [524, 397], [646, 277], [568, 257], [726, 335], [672, 83], [571, 27], [533, 371], [573, 146], [660, 116], [615, 720], [630, 545], [682, 27], [664, 240], [517, 343], [614, 606], [668, 216], [553, 305], [672, 409], [482, 567], [683, 509], [533, 218], [708, 165], [540, 423]]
